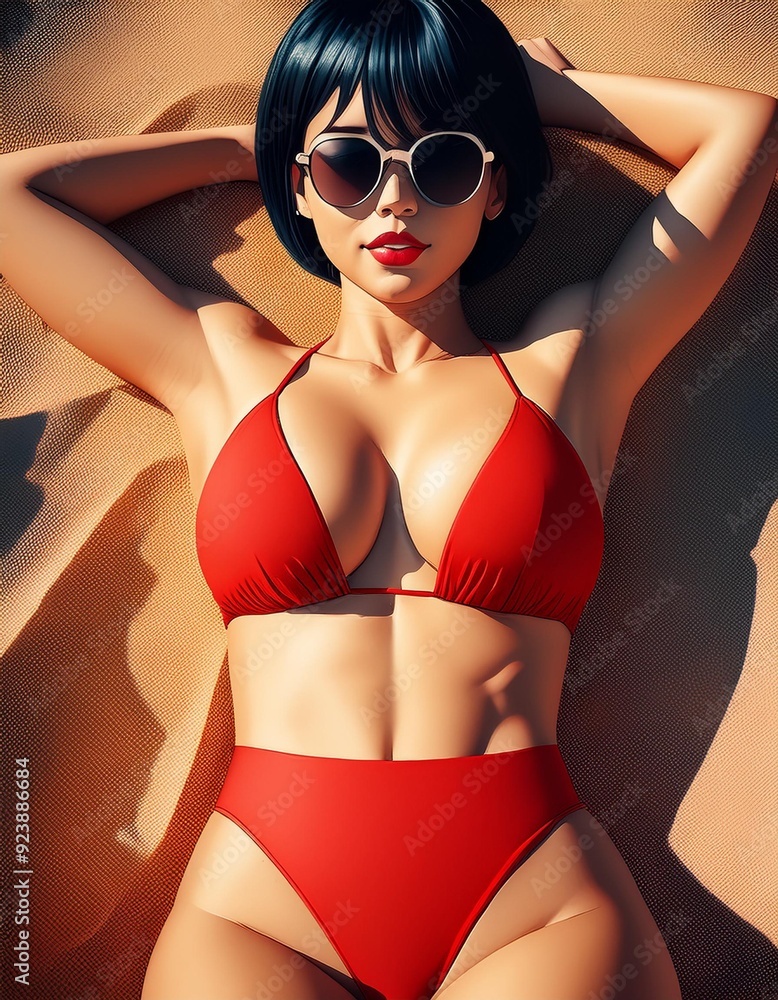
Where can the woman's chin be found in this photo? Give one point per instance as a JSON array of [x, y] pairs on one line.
[[398, 286]]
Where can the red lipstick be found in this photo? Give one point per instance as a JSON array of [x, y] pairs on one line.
[[396, 249]]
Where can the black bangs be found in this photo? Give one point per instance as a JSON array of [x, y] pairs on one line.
[[411, 75], [424, 65]]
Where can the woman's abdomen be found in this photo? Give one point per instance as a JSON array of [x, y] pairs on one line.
[[395, 677]]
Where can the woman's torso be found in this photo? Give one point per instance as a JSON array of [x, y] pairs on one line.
[[390, 459]]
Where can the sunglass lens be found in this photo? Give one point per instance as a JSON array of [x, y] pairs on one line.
[[344, 170], [448, 168]]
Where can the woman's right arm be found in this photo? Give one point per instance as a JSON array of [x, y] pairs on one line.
[[88, 284]]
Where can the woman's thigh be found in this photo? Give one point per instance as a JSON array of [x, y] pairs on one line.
[[201, 956], [593, 955], [571, 907], [230, 876]]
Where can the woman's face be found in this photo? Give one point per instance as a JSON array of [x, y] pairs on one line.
[[395, 206]]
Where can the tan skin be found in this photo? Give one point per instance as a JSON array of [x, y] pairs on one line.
[[209, 361]]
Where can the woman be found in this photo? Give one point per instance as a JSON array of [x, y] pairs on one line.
[[408, 517]]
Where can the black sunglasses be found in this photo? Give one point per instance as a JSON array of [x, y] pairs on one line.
[[446, 167]]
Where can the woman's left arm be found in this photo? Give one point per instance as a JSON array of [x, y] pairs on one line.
[[684, 245]]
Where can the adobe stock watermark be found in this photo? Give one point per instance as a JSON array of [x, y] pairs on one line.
[[267, 135], [557, 522], [465, 448], [428, 652], [755, 678], [269, 813], [284, 972], [457, 115], [77, 152], [379, 19], [550, 192], [751, 164], [227, 513], [722, 361], [442, 813], [634, 621], [222, 860], [425, 315], [757, 501], [243, 328], [259, 656], [340, 916], [571, 854], [208, 192], [467, 956], [643, 954], [204, 194], [91, 307], [624, 288], [718, 366], [561, 180]]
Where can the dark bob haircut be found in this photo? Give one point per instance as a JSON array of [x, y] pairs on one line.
[[423, 65]]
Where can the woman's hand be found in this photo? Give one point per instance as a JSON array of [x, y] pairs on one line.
[[544, 53], [546, 66]]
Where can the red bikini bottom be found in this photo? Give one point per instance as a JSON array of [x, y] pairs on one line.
[[397, 859]]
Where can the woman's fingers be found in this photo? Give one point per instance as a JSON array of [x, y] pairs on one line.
[[545, 52]]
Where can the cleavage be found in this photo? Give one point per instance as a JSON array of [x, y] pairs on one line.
[[390, 461]]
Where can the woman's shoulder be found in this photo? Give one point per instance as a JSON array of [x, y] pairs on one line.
[[544, 354], [556, 326], [555, 361], [246, 353], [236, 332]]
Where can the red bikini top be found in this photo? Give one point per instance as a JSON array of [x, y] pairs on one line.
[[527, 540]]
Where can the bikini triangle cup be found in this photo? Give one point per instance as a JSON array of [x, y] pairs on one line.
[[519, 543]]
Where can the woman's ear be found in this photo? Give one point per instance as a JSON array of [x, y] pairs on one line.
[[498, 193], [297, 187]]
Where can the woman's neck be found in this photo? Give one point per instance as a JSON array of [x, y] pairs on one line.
[[396, 336]]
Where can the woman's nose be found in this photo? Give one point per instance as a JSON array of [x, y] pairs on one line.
[[397, 192]]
